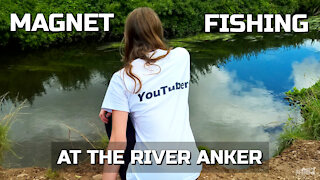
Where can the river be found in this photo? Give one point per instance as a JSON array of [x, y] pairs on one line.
[[236, 94]]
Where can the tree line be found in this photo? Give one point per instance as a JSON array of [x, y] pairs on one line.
[[180, 17]]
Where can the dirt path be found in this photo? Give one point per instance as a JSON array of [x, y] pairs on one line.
[[300, 161]]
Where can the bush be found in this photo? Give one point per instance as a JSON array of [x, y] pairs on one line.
[[180, 17], [308, 102], [312, 7]]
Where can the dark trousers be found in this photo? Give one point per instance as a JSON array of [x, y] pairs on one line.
[[131, 140]]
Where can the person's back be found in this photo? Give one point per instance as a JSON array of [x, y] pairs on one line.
[[153, 89], [160, 111]]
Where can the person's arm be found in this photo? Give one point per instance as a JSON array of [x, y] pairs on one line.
[[118, 141]]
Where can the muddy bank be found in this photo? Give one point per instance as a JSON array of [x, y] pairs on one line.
[[300, 161]]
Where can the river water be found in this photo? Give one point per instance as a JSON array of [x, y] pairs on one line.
[[236, 93]]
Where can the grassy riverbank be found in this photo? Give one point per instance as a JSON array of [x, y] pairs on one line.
[[307, 100]]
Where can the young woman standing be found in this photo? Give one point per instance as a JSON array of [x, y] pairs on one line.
[[153, 87]]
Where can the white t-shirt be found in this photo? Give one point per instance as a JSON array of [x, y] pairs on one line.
[[160, 110]]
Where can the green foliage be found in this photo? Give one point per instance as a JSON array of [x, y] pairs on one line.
[[5, 124], [179, 17], [312, 7], [50, 174], [314, 22], [4, 142], [183, 42], [292, 130], [205, 148], [308, 101], [104, 141]]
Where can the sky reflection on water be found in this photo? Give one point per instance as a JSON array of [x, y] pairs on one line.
[[239, 99], [243, 100]]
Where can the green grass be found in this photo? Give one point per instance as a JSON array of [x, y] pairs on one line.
[[204, 37], [182, 42], [205, 148], [4, 141], [50, 174], [292, 131], [308, 102], [103, 143], [5, 124]]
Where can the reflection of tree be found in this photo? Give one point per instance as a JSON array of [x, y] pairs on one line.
[[22, 83], [219, 52], [28, 74], [74, 78]]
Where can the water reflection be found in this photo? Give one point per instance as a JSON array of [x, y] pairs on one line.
[[314, 45], [243, 99], [27, 73], [73, 67], [236, 94], [228, 109], [245, 47], [305, 73], [45, 120]]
